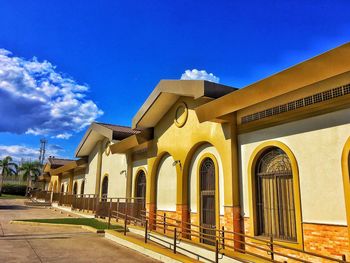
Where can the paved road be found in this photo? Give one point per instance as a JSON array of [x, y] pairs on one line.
[[23, 243]]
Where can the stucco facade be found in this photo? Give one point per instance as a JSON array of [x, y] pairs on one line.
[[317, 144], [201, 145]]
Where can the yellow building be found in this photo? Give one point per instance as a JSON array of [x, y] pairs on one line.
[[268, 160], [52, 164], [96, 171]]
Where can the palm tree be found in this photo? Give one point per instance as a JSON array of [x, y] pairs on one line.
[[8, 167], [31, 170]]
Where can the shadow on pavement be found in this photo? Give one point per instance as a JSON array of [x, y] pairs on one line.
[[13, 207]]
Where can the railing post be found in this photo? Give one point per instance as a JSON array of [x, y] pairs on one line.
[[126, 207], [88, 205], [109, 212], [175, 234], [164, 223], [223, 237], [76, 201], [343, 257], [271, 248], [97, 202], [125, 223], [216, 251], [117, 210], [146, 231]]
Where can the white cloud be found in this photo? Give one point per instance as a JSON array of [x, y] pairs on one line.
[[36, 99], [19, 152], [63, 136], [195, 74]]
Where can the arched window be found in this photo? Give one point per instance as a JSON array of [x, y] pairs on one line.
[[75, 188], [82, 187], [141, 184], [104, 191], [62, 188], [207, 198], [275, 196]]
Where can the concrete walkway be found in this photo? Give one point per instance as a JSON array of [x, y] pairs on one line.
[[23, 243]]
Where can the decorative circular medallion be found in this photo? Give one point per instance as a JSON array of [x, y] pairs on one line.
[[107, 148], [181, 114]]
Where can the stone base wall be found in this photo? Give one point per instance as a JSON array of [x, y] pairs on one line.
[[327, 240]]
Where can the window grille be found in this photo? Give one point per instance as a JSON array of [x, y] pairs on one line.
[[207, 200], [274, 196], [141, 185]]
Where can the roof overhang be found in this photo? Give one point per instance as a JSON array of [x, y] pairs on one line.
[[94, 134], [167, 92], [132, 142], [81, 163], [324, 66], [45, 177], [47, 167]]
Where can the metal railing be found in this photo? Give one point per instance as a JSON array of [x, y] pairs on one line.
[[131, 211], [101, 206], [224, 243], [41, 195]]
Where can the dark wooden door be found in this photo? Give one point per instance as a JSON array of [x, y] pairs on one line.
[[104, 187], [75, 188], [141, 187], [207, 201], [82, 187]]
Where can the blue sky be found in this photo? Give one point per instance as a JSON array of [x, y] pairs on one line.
[[101, 59]]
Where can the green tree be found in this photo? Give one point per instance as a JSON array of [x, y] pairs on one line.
[[8, 167], [31, 170]]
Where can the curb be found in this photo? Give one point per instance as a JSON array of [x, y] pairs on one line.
[[88, 228]]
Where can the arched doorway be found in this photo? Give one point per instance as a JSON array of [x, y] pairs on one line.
[[141, 187], [207, 199], [82, 187], [62, 188], [104, 191], [75, 188], [274, 195], [166, 184]]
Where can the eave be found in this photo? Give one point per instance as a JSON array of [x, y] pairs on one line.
[[324, 66], [167, 92], [70, 166], [94, 133], [131, 142]]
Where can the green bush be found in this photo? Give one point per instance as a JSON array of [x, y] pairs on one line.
[[14, 189]]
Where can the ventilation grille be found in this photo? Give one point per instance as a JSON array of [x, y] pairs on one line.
[[296, 104]]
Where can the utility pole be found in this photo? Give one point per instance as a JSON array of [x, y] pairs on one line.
[[43, 143]]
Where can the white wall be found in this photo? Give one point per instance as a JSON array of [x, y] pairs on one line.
[[317, 144], [193, 177], [90, 177], [113, 165], [166, 184]]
